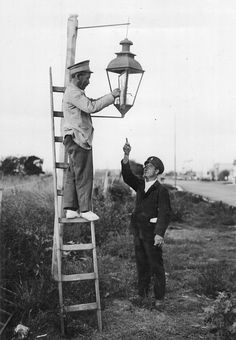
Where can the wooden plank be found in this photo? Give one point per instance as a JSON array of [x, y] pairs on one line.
[[78, 246], [58, 114], [59, 176], [78, 277], [72, 25], [60, 192], [61, 165], [56, 253], [81, 307], [58, 139], [71, 45], [60, 89], [73, 220]]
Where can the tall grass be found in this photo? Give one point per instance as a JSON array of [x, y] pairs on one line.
[[26, 236]]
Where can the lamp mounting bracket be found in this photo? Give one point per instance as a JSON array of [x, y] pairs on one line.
[[99, 26]]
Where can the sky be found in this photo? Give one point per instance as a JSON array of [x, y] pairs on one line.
[[185, 107]]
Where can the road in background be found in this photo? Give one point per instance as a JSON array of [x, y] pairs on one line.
[[216, 191]]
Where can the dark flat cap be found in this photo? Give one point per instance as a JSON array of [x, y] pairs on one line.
[[83, 66], [156, 162]]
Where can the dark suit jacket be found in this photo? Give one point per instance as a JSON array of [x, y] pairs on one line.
[[154, 203]]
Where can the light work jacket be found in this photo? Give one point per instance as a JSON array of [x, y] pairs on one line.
[[77, 109]]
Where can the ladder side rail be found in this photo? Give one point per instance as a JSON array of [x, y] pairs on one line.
[[96, 282], [57, 226]]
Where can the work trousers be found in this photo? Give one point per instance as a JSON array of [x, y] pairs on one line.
[[79, 177], [149, 263]]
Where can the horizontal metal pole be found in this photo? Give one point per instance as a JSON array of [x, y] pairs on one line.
[[98, 26]]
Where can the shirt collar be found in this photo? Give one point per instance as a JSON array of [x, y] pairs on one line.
[[149, 184]]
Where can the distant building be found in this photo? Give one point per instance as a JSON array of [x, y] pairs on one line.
[[204, 175], [219, 167]]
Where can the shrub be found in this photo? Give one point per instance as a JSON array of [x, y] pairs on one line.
[[220, 317], [178, 206], [26, 244], [26, 241], [119, 245], [119, 192], [117, 276], [25, 165], [114, 211], [213, 278]]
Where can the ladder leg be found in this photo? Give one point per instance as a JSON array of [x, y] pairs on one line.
[[61, 308], [95, 265], [60, 291]]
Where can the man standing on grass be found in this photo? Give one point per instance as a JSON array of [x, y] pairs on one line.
[[78, 136], [149, 222]]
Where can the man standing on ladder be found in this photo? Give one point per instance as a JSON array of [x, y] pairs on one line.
[[78, 136]]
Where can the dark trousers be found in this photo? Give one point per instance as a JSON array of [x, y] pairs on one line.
[[79, 177], [149, 264]]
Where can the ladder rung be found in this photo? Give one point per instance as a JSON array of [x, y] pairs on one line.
[[58, 114], [78, 277], [84, 306], [58, 139], [60, 165], [73, 220], [58, 89], [80, 246], [60, 192]]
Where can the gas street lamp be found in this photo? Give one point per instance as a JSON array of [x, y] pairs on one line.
[[126, 73]]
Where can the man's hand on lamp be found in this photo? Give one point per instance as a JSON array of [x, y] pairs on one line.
[[116, 93]]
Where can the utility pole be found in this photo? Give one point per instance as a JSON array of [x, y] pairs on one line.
[[72, 26], [175, 176]]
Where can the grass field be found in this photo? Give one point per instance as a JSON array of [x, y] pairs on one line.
[[199, 258]]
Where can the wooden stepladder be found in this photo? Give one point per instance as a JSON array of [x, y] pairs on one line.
[[60, 223]]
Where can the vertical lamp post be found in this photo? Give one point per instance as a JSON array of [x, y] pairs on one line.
[[175, 175], [126, 73]]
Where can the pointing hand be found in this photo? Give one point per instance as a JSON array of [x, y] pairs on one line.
[[127, 147]]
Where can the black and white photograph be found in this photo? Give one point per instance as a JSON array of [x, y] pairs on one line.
[[118, 170]]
